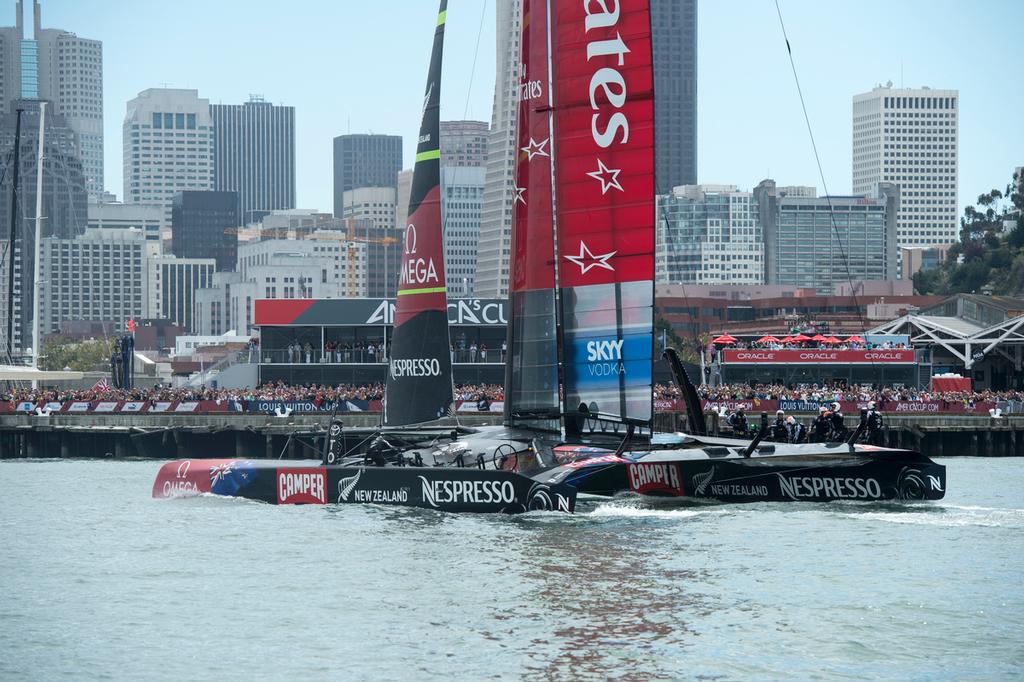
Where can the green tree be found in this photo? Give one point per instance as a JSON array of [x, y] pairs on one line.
[[59, 352]]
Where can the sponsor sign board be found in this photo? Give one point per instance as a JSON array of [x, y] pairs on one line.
[[302, 486], [812, 356], [658, 478], [105, 406]]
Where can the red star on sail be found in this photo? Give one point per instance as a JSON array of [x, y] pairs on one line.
[[609, 177]]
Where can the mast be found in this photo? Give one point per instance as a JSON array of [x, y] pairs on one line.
[[419, 382], [38, 244], [13, 236]]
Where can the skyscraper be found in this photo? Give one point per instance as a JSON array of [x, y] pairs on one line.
[[674, 46], [64, 205], [364, 160], [372, 211], [462, 192], [709, 234], [823, 241], [499, 181], [909, 137], [58, 66], [254, 155], [168, 146], [203, 225], [464, 143]]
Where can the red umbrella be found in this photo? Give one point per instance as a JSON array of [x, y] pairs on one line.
[[724, 339], [817, 337], [855, 339], [800, 338], [768, 339], [786, 339], [832, 339]]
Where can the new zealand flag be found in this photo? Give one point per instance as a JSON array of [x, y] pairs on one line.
[[230, 477]]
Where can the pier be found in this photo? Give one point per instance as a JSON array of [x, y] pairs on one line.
[[260, 436]]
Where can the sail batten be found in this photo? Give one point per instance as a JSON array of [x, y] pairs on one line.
[[419, 381]]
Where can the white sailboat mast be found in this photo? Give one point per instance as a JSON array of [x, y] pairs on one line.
[[38, 246]]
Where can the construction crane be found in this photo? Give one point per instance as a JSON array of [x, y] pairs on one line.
[[329, 232]]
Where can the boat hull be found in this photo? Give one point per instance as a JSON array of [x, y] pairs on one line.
[[810, 478], [447, 489]]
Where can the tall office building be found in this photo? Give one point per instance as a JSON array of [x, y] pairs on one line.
[[674, 47], [909, 137], [462, 193], [823, 241], [168, 146], [173, 284], [147, 218], [60, 67], [364, 160], [64, 199], [204, 225], [372, 210], [709, 234], [464, 143], [499, 182], [99, 276], [254, 155]]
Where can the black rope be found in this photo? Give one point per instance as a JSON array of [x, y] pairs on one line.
[[821, 174]]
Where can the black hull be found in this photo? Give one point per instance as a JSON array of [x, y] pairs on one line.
[[446, 489], [812, 478]]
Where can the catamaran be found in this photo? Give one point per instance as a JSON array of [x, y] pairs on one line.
[[419, 389], [578, 409]]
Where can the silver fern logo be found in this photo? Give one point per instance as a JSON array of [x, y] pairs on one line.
[[347, 485], [702, 481], [426, 98]]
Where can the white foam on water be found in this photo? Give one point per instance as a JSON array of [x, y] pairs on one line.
[[952, 517], [623, 511]]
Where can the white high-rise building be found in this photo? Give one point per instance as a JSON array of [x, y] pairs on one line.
[[317, 266], [909, 137], [99, 276], [168, 146], [462, 192], [60, 67], [709, 234], [499, 185]]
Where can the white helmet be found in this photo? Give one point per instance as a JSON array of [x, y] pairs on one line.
[[871, 404], [836, 406]]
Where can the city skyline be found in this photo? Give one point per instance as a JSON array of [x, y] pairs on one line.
[[750, 123]]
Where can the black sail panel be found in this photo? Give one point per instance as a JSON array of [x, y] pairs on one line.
[[419, 382]]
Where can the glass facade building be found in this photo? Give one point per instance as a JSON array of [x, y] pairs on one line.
[[819, 242], [709, 234]]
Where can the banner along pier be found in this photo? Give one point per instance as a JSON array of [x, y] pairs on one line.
[[261, 436]]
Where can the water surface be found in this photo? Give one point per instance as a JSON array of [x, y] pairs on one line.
[[102, 582]]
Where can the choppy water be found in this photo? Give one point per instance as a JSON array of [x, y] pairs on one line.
[[101, 582]]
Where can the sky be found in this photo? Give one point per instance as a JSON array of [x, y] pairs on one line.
[[357, 66]]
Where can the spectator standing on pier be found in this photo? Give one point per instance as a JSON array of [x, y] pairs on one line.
[[472, 352], [483, 352]]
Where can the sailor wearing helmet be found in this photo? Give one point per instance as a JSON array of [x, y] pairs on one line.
[[838, 426], [821, 426], [780, 434], [796, 430]]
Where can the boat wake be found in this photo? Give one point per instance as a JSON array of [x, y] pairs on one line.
[[947, 516]]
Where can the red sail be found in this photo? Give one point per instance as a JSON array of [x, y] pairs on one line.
[[531, 381], [533, 247], [603, 97], [604, 127]]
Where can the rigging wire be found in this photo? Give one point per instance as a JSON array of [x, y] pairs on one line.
[[821, 173]]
